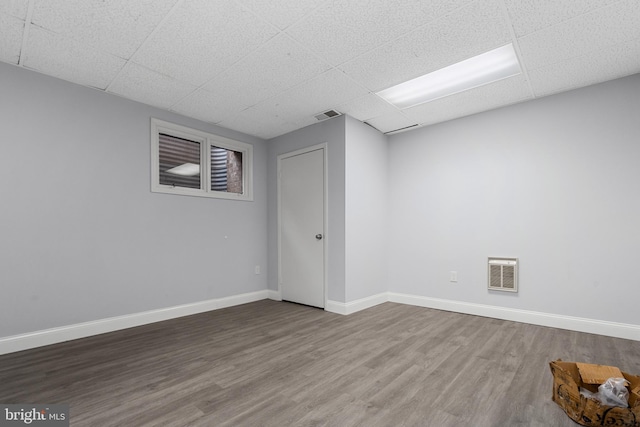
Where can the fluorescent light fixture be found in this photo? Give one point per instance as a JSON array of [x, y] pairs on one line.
[[480, 70], [185, 169]]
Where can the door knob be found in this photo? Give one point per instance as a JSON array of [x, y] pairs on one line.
[[319, 236]]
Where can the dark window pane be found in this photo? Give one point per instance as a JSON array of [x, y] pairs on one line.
[[179, 162], [226, 170], [218, 169]]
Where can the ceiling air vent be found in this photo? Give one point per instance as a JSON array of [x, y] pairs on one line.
[[503, 274], [327, 115]]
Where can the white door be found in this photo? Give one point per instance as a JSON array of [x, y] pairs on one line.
[[302, 237]]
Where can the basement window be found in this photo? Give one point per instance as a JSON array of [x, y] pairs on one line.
[[193, 163]]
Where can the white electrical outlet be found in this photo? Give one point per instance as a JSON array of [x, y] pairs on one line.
[[257, 269], [453, 276]]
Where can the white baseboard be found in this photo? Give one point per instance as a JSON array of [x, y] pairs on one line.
[[351, 307], [81, 330], [592, 326], [66, 333], [274, 295]]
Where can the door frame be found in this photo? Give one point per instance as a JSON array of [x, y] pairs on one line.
[[325, 214]]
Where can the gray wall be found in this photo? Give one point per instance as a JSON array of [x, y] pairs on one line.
[[82, 236], [357, 166], [333, 133], [555, 182], [366, 211]]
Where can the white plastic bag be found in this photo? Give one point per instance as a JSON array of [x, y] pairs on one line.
[[614, 392]]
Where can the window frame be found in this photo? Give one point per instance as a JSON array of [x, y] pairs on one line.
[[206, 140]]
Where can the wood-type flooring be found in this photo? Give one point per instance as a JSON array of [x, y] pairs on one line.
[[272, 363]]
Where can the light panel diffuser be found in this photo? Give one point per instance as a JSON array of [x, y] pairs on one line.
[[185, 169], [477, 71]]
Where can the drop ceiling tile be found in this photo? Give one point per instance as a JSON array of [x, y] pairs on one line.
[[281, 13], [314, 96], [259, 126], [11, 30], [208, 106], [607, 64], [350, 28], [391, 122], [586, 33], [253, 78], [277, 66], [366, 107], [202, 39], [70, 60], [268, 124], [528, 16], [146, 86], [16, 8], [504, 92], [304, 121], [116, 26], [472, 30]]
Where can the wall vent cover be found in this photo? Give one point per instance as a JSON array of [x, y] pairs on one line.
[[503, 274], [327, 115]]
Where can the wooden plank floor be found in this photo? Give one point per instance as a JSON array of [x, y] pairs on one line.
[[271, 363]]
